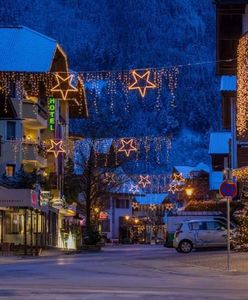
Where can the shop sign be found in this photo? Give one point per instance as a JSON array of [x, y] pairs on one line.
[[19, 198], [103, 215], [51, 110], [45, 196], [57, 203]]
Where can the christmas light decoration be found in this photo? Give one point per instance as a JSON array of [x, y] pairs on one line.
[[134, 189], [56, 148], [135, 205], [152, 207], [142, 82], [144, 181], [242, 90], [109, 178], [127, 146], [241, 173], [178, 178], [173, 188], [169, 206], [64, 86]]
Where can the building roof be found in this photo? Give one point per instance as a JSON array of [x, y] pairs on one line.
[[202, 167], [25, 50], [219, 142], [151, 199], [185, 170], [228, 83]]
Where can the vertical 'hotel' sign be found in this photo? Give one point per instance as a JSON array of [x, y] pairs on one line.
[[51, 109]]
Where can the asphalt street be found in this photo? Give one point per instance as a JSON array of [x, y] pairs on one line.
[[123, 272]]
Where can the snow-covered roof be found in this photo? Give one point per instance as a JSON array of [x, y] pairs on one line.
[[23, 49], [185, 170], [228, 83], [150, 198], [215, 180], [219, 142], [202, 167]]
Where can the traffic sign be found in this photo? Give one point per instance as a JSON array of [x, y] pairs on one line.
[[228, 188]]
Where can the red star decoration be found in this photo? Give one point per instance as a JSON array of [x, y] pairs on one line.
[[142, 83], [127, 146], [144, 181], [56, 148], [64, 86]]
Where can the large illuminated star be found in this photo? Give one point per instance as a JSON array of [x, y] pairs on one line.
[[142, 82], [56, 148], [127, 146], [64, 86], [144, 181]]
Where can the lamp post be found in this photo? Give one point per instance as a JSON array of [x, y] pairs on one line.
[[127, 219]]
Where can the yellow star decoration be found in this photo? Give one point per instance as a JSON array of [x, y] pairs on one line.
[[139, 79], [135, 205], [144, 181], [56, 148], [178, 178], [64, 86], [127, 146]]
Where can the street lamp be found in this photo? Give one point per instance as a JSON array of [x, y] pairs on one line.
[[127, 217], [189, 191]]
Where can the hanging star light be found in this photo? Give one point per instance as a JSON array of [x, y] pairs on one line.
[[169, 206], [64, 86], [135, 205], [109, 178], [127, 146], [172, 188], [144, 181], [134, 189], [178, 178], [152, 207], [56, 148], [142, 82]]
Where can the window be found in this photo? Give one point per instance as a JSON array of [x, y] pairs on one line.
[[11, 130], [218, 162], [214, 225], [10, 170], [198, 226], [122, 203]]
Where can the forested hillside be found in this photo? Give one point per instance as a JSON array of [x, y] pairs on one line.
[[127, 34]]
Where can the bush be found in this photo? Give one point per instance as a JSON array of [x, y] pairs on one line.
[[92, 238]]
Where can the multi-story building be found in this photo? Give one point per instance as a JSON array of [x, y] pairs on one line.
[[35, 86], [227, 148]]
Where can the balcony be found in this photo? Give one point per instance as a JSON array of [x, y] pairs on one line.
[[34, 116], [34, 154]]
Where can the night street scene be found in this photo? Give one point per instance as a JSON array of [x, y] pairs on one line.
[[124, 149]]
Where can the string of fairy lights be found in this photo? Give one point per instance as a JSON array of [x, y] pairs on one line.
[[242, 93]]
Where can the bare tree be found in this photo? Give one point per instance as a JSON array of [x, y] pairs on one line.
[[98, 179]]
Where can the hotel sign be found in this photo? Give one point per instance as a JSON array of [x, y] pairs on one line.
[[51, 109]]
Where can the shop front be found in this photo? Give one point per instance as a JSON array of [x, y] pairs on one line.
[[26, 227]]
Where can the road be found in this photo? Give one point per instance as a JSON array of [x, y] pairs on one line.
[[122, 272]]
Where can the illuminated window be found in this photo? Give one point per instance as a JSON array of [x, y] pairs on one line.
[[10, 170]]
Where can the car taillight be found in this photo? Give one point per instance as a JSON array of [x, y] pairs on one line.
[[177, 233]]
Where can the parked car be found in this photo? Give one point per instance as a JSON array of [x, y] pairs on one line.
[[174, 220], [200, 234]]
